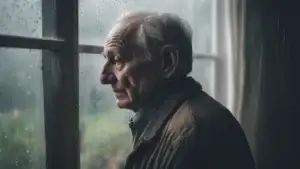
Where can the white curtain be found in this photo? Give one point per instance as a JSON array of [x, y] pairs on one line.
[[234, 41]]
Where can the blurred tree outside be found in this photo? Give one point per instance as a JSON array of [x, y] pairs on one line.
[[105, 140], [105, 135], [19, 146]]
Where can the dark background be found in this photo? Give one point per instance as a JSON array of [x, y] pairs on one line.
[[272, 104]]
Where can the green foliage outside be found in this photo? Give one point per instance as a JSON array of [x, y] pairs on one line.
[[106, 141], [20, 144], [105, 135]]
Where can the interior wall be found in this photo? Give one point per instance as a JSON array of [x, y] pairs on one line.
[[272, 99]]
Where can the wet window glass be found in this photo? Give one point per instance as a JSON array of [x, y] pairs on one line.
[[104, 130], [21, 17], [203, 72], [96, 17], [22, 144]]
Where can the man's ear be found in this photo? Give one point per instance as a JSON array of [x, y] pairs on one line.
[[170, 59]]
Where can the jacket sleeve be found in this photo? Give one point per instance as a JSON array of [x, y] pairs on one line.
[[217, 142]]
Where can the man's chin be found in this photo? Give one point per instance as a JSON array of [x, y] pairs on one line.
[[123, 104]]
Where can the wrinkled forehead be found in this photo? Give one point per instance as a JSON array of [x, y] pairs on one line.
[[120, 41], [115, 38]]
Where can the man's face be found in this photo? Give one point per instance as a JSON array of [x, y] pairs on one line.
[[130, 74]]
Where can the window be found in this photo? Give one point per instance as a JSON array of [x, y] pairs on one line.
[[80, 123], [105, 138], [21, 18], [93, 28], [21, 109], [203, 72]]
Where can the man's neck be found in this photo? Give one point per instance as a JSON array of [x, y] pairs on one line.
[[162, 91]]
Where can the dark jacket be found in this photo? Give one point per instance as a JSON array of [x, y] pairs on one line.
[[189, 130]]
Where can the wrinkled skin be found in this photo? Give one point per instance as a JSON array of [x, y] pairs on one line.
[[133, 77]]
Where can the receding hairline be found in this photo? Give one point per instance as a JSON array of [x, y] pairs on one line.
[[136, 15], [132, 22], [127, 24], [152, 30]]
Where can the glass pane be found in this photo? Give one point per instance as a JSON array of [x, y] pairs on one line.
[[203, 72], [105, 134], [22, 144], [98, 16], [21, 17]]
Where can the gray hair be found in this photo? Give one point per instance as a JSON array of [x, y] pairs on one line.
[[152, 31]]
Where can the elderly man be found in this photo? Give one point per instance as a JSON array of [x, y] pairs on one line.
[[176, 124]]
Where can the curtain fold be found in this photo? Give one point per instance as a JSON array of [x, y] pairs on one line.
[[235, 26], [270, 109]]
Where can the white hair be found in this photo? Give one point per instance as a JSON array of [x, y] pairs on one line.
[[153, 30]]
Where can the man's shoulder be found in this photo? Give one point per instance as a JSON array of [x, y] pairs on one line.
[[201, 110], [202, 126]]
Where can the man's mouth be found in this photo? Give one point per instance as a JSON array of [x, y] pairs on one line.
[[120, 94]]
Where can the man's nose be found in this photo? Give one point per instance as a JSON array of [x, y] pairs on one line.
[[108, 78], [107, 75]]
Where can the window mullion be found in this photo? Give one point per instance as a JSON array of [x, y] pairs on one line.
[[60, 82], [92, 49], [29, 42], [205, 56]]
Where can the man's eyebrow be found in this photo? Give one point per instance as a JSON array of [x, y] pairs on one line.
[[105, 55], [108, 56]]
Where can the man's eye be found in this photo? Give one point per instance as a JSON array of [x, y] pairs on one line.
[[119, 64]]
